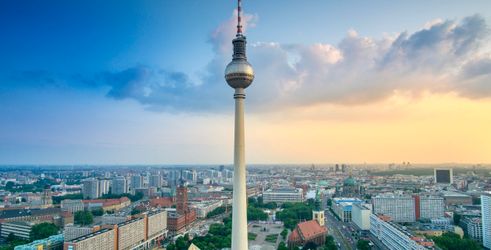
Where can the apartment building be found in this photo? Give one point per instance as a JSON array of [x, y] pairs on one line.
[[395, 237]]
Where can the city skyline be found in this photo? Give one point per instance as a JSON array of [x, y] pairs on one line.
[[360, 82]]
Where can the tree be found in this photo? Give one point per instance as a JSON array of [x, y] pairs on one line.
[[97, 212], [330, 244], [282, 246], [138, 196], [43, 230], [83, 218], [58, 199], [10, 185], [284, 233], [294, 213], [271, 205], [456, 218], [452, 241], [260, 200], [12, 242], [363, 245], [218, 237], [218, 211], [256, 214], [11, 237], [310, 246]]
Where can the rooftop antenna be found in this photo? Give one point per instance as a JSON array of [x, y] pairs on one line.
[[239, 25]]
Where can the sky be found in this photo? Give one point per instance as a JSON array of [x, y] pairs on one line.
[[141, 82]]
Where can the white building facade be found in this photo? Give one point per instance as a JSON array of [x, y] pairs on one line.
[[486, 220], [393, 236], [399, 208], [282, 195], [361, 215]]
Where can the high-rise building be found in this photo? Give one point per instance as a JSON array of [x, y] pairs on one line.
[[90, 188], [239, 75], [399, 208], [93, 188], [155, 180], [443, 175], [430, 207], [405, 208], [136, 181], [486, 220], [104, 187], [119, 185]]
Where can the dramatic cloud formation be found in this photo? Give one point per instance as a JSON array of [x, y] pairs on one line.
[[446, 56]]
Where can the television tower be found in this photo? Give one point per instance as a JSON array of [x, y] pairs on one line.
[[239, 75]]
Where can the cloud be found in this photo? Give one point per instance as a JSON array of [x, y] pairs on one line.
[[445, 56]]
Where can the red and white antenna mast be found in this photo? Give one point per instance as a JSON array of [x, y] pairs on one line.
[[239, 24]]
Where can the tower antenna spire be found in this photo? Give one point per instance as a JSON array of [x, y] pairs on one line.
[[239, 24]]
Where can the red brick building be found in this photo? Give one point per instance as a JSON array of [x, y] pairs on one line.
[[183, 216], [307, 232]]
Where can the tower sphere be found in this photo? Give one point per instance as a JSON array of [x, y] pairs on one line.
[[239, 74]]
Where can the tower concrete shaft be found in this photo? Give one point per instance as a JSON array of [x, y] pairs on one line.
[[239, 220], [239, 74]]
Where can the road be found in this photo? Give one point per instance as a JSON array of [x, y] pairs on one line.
[[335, 229]]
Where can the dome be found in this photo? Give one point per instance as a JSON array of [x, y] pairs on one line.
[[239, 74], [350, 181]]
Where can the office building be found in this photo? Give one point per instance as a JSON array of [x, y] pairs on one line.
[[119, 185], [360, 214], [72, 205], [443, 175], [486, 220], [395, 237], [282, 195], [342, 207]]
